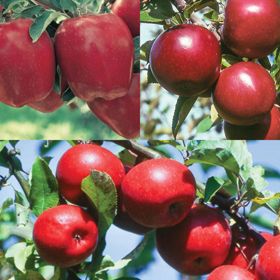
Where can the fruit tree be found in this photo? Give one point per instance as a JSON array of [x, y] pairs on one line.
[[123, 209], [211, 68]]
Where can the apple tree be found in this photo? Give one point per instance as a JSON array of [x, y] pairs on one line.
[[211, 68], [57, 211]]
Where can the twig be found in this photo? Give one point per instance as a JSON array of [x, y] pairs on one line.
[[17, 173], [138, 149]]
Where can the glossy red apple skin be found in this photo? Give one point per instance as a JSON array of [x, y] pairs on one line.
[[129, 11], [65, 235], [158, 192], [25, 74], [245, 93], [95, 63], [198, 244], [268, 262], [252, 27], [123, 220], [121, 114], [48, 105], [77, 163], [52, 102], [268, 129], [230, 272], [186, 59]]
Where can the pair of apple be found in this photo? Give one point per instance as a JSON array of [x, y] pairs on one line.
[[94, 63], [186, 61]]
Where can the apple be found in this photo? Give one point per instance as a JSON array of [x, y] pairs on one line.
[[65, 235], [26, 75], [123, 220], [158, 192], [230, 272], [77, 163], [198, 244], [245, 93], [243, 248], [95, 54], [129, 11], [268, 262], [252, 27], [121, 114], [268, 129], [185, 59], [52, 102]]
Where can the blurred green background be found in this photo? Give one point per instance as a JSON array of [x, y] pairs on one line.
[[72, 121]]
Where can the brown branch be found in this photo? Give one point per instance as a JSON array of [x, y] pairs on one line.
[[139, 149]]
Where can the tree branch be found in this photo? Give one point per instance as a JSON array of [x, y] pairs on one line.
[[139, 149]]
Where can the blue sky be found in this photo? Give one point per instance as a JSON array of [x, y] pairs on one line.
[[119, 242]]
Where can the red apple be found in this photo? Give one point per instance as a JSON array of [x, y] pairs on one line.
[[121, 114], [268, 262], [198, 244], [52, 102], [95, 54], [268, 129], [252, 27], [158, 192], [77, 163], [186, 59], [26, 75], [123, 220], [129, 11], [65, 235], [230, 272], [244, 94]]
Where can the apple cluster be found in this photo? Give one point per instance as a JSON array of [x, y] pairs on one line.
[[156, 194], [186, 61], [95, 55]]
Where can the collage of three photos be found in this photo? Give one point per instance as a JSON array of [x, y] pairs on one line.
[[139, 139]]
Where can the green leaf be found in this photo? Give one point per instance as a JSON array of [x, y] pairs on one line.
[[142, 256], [204, 125], [151, 77], [20, 253], [41, 23], [6, 204], [136, 67], [102, 192], [145, 50], [182, 109], [228, 60], [22, 214], [215, 153], [44, 187], [213, 185], [156, 11], [3, 144], [199, 5]]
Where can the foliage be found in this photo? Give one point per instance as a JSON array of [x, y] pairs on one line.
[[241, 182]]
